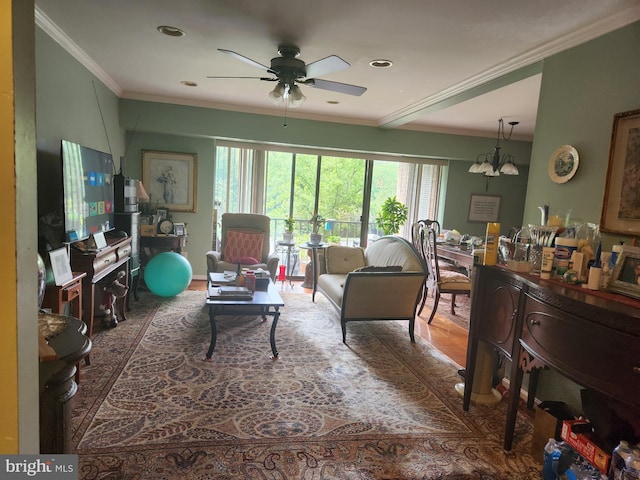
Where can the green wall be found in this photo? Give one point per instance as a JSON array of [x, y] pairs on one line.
[[68, 107], [582, 89], [199, 224], [183, 128]]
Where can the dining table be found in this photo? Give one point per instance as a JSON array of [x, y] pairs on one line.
[[461, 257]]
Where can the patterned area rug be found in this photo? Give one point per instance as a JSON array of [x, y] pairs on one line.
[[149, 407]]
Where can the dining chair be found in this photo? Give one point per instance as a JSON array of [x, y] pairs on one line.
[[440, 280]]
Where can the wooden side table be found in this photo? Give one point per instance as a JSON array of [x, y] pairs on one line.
[[56, 296]]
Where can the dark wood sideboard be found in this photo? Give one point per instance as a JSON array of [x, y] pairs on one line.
[[592, 338]]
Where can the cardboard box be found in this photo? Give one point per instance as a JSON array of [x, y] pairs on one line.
[[547, 424], [582, 443]]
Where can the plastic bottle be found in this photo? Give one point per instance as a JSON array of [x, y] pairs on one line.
[[632, 465], [618, 457], [546, 270], [491, 244]]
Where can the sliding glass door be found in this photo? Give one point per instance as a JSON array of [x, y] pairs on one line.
[[346, 192]]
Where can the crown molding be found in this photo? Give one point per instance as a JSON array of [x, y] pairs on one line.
[[51, 29], [489, 79]]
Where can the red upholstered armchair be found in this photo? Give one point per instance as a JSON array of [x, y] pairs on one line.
[[245, 239]]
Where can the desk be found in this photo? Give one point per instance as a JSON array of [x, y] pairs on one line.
[[102, 266], [457, 256], [592, 338]]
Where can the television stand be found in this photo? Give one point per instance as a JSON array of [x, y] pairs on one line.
[[102, 266]]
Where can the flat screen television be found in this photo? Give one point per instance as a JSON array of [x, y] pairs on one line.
[[87, 185]]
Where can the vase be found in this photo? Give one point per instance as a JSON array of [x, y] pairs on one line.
[[315, 238], [287, 237]]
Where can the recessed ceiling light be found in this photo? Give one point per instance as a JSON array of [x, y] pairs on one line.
[[379, 63], [171, 31], [189, 83]]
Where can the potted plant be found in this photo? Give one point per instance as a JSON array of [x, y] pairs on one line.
[[289, 223], [316, 220], [392, 216]]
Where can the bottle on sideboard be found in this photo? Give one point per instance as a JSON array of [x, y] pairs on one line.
[[491, 244]]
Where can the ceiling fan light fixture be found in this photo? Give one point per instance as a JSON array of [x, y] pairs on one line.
[[276, 96], [296, 98]]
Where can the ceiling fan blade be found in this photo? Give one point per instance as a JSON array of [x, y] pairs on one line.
[[268, 79], [244, 59], [325, 66], [335, 86]]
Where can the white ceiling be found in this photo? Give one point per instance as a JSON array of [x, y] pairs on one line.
[[450, 58]]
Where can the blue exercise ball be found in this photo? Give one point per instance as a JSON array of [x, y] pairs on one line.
[[167, 274]]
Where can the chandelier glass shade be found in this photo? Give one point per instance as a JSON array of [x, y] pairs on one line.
[[492, 164]]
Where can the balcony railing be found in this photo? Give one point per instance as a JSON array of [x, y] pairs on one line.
[[340, 232]]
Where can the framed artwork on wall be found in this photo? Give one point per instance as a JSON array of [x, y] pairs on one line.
[[170, 179], [484, 208], [621, 205]]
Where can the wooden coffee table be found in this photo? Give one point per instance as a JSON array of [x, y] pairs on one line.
[[264, 303]]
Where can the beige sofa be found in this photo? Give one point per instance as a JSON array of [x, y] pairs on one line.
[[383, 282]]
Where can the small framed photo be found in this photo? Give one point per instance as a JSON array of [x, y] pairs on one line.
[[99, 240], [60, 266], [625, 278], [179, 229], [162, 214]]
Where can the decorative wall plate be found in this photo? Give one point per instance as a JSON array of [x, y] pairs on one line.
[[563, 164]]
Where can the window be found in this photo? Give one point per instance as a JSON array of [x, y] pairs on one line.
[[347, 191]]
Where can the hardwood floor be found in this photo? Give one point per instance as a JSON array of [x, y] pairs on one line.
[[443, 334]]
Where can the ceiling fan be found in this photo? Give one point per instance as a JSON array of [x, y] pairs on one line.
[[289, 71]]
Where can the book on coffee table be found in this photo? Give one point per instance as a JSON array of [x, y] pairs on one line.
[[225, 292]]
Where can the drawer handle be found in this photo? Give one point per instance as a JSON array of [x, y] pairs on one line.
[[535, 322], [514, 314]]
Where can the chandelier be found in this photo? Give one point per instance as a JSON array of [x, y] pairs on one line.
[[491, 164]]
